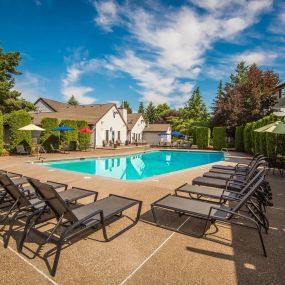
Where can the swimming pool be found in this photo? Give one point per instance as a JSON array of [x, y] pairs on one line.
[[138, 166]]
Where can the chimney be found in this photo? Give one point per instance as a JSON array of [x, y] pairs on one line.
[[124, 113]]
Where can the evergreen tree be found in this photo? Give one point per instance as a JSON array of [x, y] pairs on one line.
[[150, 113], [10, 99], [73, 101], [125, 104], [195, 108], [141, 108]]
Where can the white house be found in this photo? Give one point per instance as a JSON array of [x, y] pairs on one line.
[[280, 96], [105, 119], [136, 125], [152, 134]]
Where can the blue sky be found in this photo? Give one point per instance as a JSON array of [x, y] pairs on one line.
[[109, 51]]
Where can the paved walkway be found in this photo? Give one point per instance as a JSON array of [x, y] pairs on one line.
[[147, 254]]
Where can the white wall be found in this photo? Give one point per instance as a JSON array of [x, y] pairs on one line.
[[110, 122], [42, 107], [154, 138], [137, 130]]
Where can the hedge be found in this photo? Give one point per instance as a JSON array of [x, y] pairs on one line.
[[83, 138], [194, 134], [1, 133], [219, 137], [239, 138], [69, 138], [247, 138], [202, 137], [49, 137], [16, 120]]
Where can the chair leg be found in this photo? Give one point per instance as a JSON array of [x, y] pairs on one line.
[[261, 240], [57, 255]]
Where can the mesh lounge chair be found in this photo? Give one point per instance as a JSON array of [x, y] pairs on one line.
[[53, 149], [210, 212], [239, 166], [234, 183], [84, 217], [21, 150], [28, 207], [22, 198], [262, 197], [222, 195], [237, 170], [236, 175]]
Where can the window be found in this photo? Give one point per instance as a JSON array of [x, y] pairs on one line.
[[107, 136], [119, 136]]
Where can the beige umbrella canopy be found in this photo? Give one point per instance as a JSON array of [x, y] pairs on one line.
[[31, 127]]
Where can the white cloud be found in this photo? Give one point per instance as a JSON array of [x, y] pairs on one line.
[[32, 86], [277, 25], [107, 14], [259, 57], [165, 52], [70, 83]]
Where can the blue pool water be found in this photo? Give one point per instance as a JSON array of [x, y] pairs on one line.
[[139, 166]]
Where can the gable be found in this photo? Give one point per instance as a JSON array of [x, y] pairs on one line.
[[43, 107]]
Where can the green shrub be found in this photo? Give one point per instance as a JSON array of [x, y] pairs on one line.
[[247, 138], [219, 138], [1, 133], [83, 138], [239, 138], [202, 137], [193, 131], [69, 138], [48, 136], [16, 120]]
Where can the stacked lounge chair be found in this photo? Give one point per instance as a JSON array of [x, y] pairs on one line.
[[246, 206], [46, 203], [234, 181]]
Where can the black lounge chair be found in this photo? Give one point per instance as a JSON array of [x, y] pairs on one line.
[[210, 212], [236, 175], [23, 199], [198, 192], [21, 150], [237, 170], [232, 182], [239, 166], [82, 218]]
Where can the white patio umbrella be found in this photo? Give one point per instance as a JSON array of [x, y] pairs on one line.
[[33, 128]]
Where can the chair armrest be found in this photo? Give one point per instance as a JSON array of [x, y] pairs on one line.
[[59, 183], [229, 212]]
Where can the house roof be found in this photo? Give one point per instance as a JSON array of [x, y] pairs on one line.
[[132, 119], [280, 85], [90, 113], [55, 105], [157, 128]]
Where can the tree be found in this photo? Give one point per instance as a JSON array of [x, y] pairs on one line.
[[10, 99], [125, 104], [150, 113], [248, 96], [219, 112], [141, 108], [194, 113], [73, 101], [195, 108]]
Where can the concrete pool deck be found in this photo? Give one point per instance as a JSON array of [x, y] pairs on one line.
[[147, 254]]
